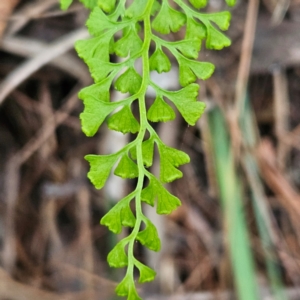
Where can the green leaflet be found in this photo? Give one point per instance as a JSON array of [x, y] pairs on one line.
[[107, 5], [160, 111], [98, 91], [171, 158], [186, 102], [100, 69], [126, 168], [188, 47], [166, 202], [94, 48], [100, 168], [190, 70], [129, 43], [195, 30], [98, 22], [94, 113], [168, 19], [136, 9], [149, 236], [117, 257], [146, 273], [198, 3], [159, 61], [120, 215], [130, 81], [128, 29], [174, 156], [127, 288], [64, 4], [216, 40], [89, 3], [123, 121], [230, 2], [222, 19]]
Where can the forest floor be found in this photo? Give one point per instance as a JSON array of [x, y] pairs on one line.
[[51, 243]]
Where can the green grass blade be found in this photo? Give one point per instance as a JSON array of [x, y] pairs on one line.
[[232, 204], [261, 210]]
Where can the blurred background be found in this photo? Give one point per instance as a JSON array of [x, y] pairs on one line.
[[237, 233]]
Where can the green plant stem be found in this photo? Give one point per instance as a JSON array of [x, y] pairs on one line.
[[141, 135], [232, 204], [106, 19]]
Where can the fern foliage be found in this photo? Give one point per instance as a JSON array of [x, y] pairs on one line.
[[139, 31]]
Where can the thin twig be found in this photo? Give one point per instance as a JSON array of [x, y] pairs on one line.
[[40, 15], [46, 131], [26, 12], [246, 54], [243, 76], [6, 8], [286, 194], [11, 192], [54, 50], [28, 47], [281, 114]]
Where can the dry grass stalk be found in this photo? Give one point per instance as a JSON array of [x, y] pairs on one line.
[[29, 47], [59, 47], [27, 12], [288, 197], [281, 115], [6, 8]]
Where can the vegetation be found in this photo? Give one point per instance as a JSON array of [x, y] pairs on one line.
[[143, 24]]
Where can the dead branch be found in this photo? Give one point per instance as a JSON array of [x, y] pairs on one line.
[[59, 47], [6, 8], [30, 48]]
